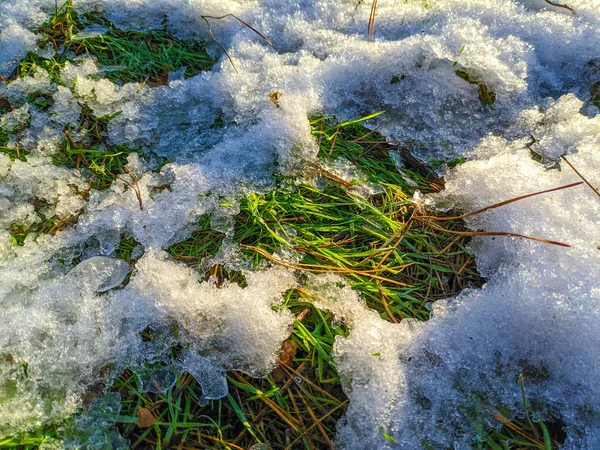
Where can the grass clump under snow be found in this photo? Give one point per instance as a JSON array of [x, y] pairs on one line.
[[126, 56], [365, 236]]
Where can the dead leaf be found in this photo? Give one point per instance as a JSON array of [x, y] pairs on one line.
[[287, 356], [145, 418], [274, 96]]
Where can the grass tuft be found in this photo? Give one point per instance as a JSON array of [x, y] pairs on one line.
[[125, 56]]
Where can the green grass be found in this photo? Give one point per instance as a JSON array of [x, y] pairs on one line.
[[485, 94], [19, 232], [101, 166], [47, 435], [276, 410], [398, 262], [203, 242], [125, 56], [334, 230], [377, 243], [14, 152]]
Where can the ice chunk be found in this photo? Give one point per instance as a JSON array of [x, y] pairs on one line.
[[209, 376], [101, 273], [236, 326]]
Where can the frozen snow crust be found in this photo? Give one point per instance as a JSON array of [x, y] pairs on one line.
[[64, 327]]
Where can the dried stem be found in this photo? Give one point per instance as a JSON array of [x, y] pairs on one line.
[[558, 5], [580, 176], [371, 25], [497, 205], [205, 18]]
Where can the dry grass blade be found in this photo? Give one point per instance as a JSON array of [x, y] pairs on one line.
[[205, 18], [324, 269], [292, 422], [404, 232], [498, 233], [318, 422], [564, 158], [134, 186], [214, 38], [220, 441], [558, 5], [335, 135], [371, 25], [386, 306], [315, 420], [506, 202], [330, 176], [298, 373], [508, 424]]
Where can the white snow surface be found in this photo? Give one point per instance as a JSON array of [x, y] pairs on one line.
[[423, 384]]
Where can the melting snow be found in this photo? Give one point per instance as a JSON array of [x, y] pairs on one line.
[[421, 383]]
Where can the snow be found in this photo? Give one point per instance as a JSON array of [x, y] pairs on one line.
[[537, 314], [418, 382]]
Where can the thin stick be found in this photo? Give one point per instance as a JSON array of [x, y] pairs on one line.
[[580, 176], [505, 202]]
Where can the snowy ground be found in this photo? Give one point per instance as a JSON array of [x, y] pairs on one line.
[[539, 308]]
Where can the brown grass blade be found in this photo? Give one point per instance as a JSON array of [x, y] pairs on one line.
[[371, 24], [316, 420], [564, 158], [498, 205], [507, 423], [213, 37], [332, 269], [334, 409], [558, 5], [498, 233]]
